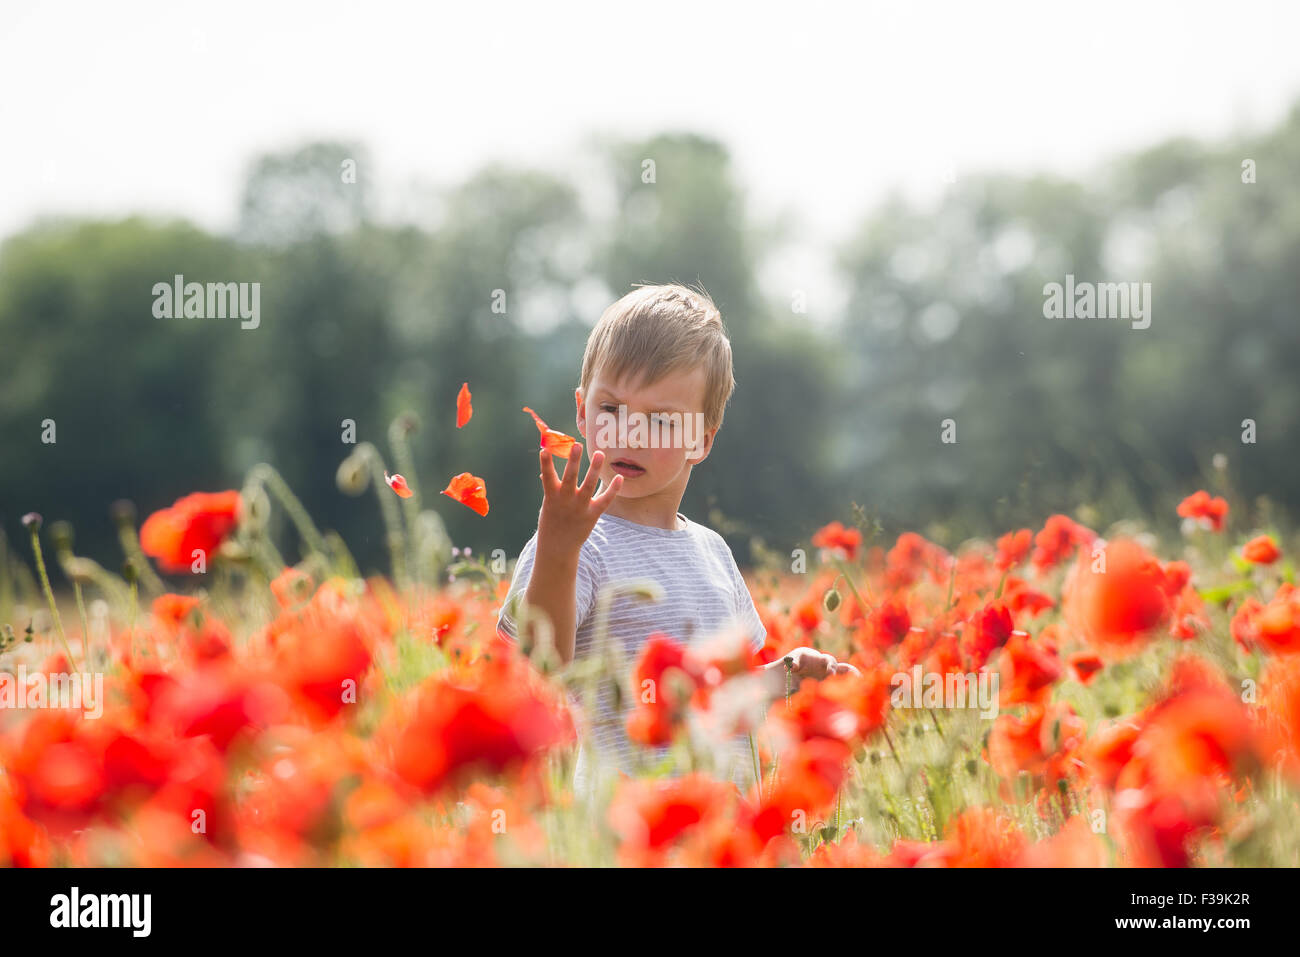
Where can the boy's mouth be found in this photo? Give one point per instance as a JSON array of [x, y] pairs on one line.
[[627, 468]]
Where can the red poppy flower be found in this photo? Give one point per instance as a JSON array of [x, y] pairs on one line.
[[1058, 540], [557, 442], [836, 537], [464, 410], [470, 491], [982, 837], [1261, 551], [1027, 671], [398, 485], [195, 523], [1084, 666], [1013, 547], [1210, 511], [497, 722], [1275, 626], [650, 816], [172, 609], [664, 680], [1117, 606]]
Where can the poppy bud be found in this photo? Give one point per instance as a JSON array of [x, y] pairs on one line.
[[123, 511], [831, 600], [32, 520], [129, 572], [61, 533], [352, 476]]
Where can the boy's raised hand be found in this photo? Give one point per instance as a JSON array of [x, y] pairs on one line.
[[569, 510]]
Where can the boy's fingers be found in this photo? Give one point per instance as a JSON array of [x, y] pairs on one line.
[[548, 476], [588, 486], [571, 466], [606, 497]]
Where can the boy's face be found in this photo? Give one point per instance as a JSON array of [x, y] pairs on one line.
[[666, 470]]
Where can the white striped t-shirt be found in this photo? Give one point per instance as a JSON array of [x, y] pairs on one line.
[[703, 593]]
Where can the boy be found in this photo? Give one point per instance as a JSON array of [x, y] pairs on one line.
[[657, 365]]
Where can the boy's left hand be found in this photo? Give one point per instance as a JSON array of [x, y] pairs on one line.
[[811, 663]]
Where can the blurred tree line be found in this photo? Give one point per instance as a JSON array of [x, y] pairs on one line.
[[363, 320]]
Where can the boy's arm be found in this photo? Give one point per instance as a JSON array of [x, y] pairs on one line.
[[569, 513], [552, 590]]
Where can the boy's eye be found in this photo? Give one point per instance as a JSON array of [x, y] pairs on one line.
[[658, 420]]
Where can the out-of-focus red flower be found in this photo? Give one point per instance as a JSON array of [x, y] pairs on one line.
[[1074, 845], [1084, 666], [220, 699], [911, 556], [1279, 711], [498, 721], [981, 837], [1019, 597], [1210, 511], [845, 708], [1116, 606], [321, 656], [556, 442], [1057, 541], [398, 484], [464, 407], [197, 522], [172, 610], [651, 816], [1027, 671], [1275, 627], [987, 630], [837, 538], [888, 624], [470, 491], [1261, 550], [1013, 547], [1043, 742], [663, 681], [809, 776]]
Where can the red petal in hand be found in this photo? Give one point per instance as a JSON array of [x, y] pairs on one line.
[[463, 408], [470, 491], [557, 442], [398, 485]]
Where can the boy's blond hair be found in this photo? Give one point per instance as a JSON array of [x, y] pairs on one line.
[[656, 331]]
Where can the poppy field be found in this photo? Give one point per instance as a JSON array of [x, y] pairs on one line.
[[257, 712]]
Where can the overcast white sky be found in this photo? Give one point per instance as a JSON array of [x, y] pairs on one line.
[[110, 108]]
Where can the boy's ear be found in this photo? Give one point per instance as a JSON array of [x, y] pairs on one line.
[[709, 436], [581, 416]]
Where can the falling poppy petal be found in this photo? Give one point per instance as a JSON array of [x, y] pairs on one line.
[[470, 491], [398, 485], [464, 410], [556, 442]]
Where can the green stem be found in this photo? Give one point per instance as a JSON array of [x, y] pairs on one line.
[[85, 622], [266, 476], [49, 592], [885, 732], [844, 572]]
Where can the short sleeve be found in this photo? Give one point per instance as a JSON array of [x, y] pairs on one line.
[[745, 609], [584, 589]]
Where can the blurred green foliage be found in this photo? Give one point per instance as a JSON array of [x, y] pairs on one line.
[[364, 320]]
